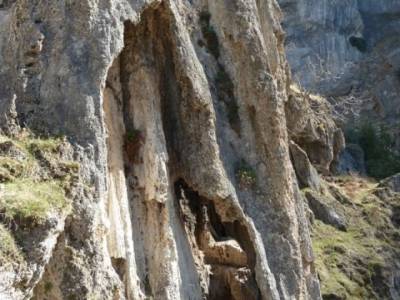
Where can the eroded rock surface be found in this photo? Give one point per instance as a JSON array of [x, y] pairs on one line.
[[176, 114], [348, 51]]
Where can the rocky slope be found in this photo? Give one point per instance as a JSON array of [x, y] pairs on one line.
[[175, 112], [348, 53]]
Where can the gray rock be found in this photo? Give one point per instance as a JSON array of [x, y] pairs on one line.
[[312, 127], [362, 85], [307, 175], [351, 160], [135, 86], [393, 183], [322, 211], [10, 149]]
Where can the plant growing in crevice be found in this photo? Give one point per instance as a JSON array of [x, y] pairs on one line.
[[378, 145], [245, 175], [133, 141], [48, 286], [226, 95], [209, 34], [223, 82]]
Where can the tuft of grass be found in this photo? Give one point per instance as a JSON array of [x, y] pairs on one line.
[[45, 145], [33, 201], [11, 166], [245, 175], [9, 251]]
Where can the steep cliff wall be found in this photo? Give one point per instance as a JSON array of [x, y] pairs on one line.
[[175, 111], [349, 52]]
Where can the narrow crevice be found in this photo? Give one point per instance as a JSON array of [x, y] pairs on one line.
[[222, 80], [142, 81], [225, 247]]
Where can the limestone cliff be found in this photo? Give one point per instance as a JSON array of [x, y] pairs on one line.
[[348, 51], [175, 112]]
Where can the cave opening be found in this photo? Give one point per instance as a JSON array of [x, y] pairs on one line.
[[226, 246]]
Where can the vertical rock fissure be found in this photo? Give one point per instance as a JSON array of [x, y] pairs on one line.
[[224, 249], [136, 133]]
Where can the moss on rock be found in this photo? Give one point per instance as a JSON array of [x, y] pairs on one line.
[[355, 264], [29, 200]]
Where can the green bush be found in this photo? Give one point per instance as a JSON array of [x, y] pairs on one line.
[[380, 157]]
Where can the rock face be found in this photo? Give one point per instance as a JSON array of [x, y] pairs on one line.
[[312, 127], [176, 114], [392, 183], [307, 175], [348, 51]]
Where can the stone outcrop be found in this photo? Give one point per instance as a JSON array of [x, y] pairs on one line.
[[392, 183], [164, 103], [307, 175], [311, 126], [322, 211]]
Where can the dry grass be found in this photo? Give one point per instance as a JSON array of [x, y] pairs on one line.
[[29, 200]]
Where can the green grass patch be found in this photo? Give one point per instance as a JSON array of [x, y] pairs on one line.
[[33, 201], [9, 251]]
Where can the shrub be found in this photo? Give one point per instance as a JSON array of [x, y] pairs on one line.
[[359, 43], [134, 140], [380, 158], [245, 175]]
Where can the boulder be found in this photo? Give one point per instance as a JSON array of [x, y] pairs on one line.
[[307, 175], [392, 182], [351, 160], [312, 127], [322, 211]]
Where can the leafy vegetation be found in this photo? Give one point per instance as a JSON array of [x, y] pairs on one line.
[[381, 159], [245, 175], [132, 135]]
